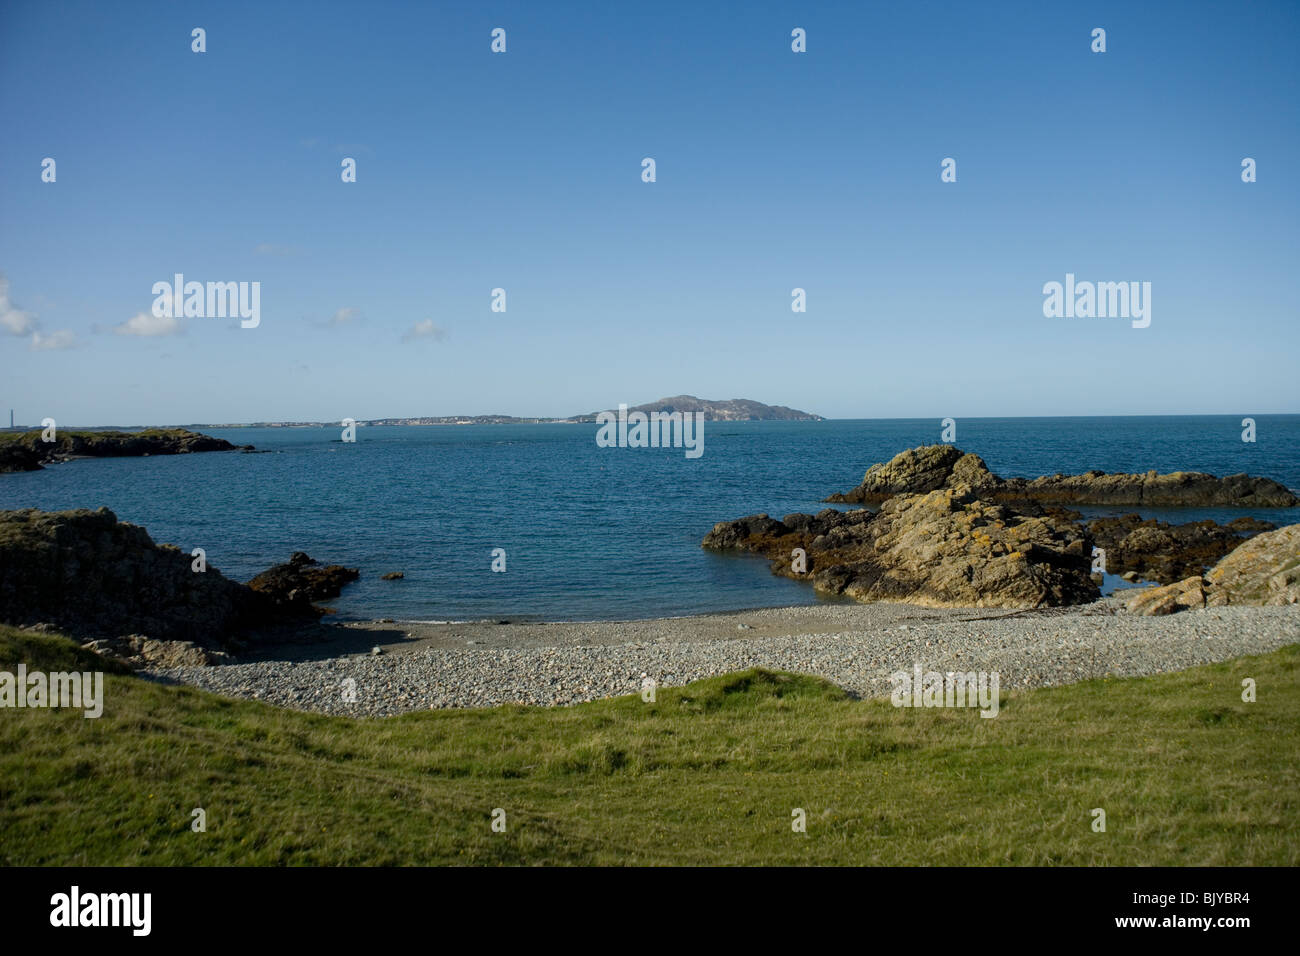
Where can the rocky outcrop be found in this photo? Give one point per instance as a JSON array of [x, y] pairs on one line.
[[1180, 596], [945, 548], [138, 651], [1262, 571], [919, 470], [1179, 489], [949, 532], [298, 584], [1159, 551], [93, 577], [27, 452]]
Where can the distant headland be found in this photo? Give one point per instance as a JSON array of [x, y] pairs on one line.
[[30, 451], [730, 410]]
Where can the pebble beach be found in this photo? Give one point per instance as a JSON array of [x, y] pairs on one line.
[[423, 666]]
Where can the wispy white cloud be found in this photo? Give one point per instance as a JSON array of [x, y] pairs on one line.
[[424, 330], [343, 317], [55, 341], [148, 324], [13, 319], [18, 321]]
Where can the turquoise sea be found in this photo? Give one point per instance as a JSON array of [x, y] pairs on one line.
[[589, 532]]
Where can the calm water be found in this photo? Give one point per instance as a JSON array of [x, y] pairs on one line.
[[589, 532]]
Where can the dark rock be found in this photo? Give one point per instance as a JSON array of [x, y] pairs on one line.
[[731, 534], [27, 452], [392, 576], [93, 577], [1158, 551], [301, 582]]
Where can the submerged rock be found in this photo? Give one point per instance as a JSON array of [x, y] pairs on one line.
[[930, 467]]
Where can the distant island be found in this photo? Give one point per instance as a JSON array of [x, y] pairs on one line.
[[730, 410]]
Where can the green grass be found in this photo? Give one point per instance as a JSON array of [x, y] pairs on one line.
[[709, 774]]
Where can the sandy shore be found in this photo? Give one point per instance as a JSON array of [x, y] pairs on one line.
[[424, 666]]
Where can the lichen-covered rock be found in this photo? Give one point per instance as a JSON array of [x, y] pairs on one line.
[[917, 471], [1188, 593], [1264, 570], [945, 548]]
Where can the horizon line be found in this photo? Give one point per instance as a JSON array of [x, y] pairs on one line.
[[575, 420]]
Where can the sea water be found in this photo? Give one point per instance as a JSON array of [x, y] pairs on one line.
[[588, 532]]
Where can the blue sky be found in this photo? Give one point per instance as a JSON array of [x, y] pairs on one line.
[[522, 170]]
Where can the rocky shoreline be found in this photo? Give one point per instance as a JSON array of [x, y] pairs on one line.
[[941, 549], [27, 451], [949, 578], [934, 467], [949, 533], [105, 582]]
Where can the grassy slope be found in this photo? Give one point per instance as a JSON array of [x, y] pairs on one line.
[[1187, 773]]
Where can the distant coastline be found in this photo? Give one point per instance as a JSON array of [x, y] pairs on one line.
[[729, 410], [588, 419]]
